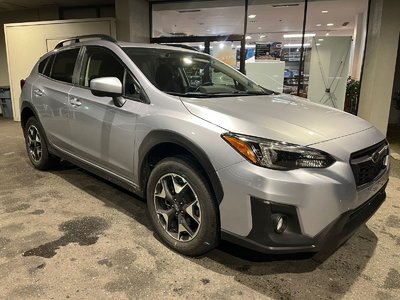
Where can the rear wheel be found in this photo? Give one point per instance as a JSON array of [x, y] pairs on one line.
[[182, 208], [36, 146]]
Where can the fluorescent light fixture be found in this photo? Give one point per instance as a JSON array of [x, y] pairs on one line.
[[248, 37], [320, 40], [208, 30], [318, 25], [298, 35], [327, 34], [259, 27], [318, 44], [330, 24], [262, 36], [295, 45], [324, 11], [252, 16]]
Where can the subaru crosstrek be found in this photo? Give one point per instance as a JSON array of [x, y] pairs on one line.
[[215, 154]]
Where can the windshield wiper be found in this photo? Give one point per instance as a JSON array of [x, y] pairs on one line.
[[191, 94]]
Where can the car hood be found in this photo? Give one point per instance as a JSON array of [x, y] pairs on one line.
[[278, 117]]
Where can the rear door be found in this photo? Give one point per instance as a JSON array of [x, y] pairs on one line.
[[50, 95], [102, 133]]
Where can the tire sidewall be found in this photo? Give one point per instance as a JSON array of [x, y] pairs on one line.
[[208, 235]]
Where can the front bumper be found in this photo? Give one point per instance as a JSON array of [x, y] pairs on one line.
[[319, 203], [263, 238]]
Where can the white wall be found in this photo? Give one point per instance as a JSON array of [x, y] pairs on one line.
[[26, 15], [380, 62], [27, 42]]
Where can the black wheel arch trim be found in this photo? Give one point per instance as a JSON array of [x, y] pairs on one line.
[[158, 137]]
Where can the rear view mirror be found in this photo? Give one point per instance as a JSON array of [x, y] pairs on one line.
[[108, 87]]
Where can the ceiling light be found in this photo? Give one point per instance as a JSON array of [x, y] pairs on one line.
[[298, 35], [248, 37], [221, 46], [320, 40], [324, 11], [295, 45], [259, 27], [327, 34], [330, 24], [318, 44], [318, 25], [252, 16], [208, 30], [262, 36]]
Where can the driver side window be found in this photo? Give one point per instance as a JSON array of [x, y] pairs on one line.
[[100, 62]]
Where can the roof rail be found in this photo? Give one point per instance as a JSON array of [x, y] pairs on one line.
[[78, 39]]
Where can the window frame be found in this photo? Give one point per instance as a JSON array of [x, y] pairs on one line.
[[50, 60], [81, 66]]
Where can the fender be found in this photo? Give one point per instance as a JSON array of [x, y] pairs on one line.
[[27, 104], [157, 137]]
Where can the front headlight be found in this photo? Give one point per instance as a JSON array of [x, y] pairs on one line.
[[277, 155]]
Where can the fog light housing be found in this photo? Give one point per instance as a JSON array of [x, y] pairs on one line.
[[279, 222]]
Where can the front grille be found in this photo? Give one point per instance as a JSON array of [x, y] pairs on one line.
[[368, 163]]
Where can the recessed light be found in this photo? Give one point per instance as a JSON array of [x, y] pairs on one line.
[[324, 11], [327, 34], [248, 37], [330, 24], [298, 35], [252, 16], [318, 25]]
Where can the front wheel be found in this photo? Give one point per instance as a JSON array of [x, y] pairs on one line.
[[182, 208]]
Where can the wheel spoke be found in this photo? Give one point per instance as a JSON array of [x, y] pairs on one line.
[[179, 188], [183, 227], [167, 215], [190, 211], [161, 193], [168, 193]]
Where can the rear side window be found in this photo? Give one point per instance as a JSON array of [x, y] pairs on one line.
[[42, 65], [64, 64]]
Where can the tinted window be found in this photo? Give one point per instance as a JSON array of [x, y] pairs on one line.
[[49, 65], [99, 62], [64, 64], [42, 65]]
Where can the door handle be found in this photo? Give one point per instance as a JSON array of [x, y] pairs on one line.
[[37, 92], [75, 102]]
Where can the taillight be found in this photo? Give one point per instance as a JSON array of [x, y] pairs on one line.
[[22, 83]]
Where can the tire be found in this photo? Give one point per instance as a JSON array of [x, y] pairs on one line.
[[36, 146], [194, 209]]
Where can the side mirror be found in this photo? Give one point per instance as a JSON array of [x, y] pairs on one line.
[[108, 87]]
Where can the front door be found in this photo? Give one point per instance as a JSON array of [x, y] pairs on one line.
[[101, 132]]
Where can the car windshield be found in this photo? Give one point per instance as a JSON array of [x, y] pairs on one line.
[[191, 74]]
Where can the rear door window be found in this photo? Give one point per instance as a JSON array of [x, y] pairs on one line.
[[64, 64]]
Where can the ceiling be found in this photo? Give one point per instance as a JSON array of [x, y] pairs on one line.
[[7, 5], [270, 23]]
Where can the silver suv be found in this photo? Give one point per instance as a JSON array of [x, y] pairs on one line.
[[215, 154]]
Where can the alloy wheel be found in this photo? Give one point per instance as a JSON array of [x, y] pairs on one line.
[[34, 143], [177, 207]]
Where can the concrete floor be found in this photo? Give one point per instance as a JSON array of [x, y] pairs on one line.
[[68, 234]]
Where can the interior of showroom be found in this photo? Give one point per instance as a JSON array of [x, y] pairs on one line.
[[340, 60]]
